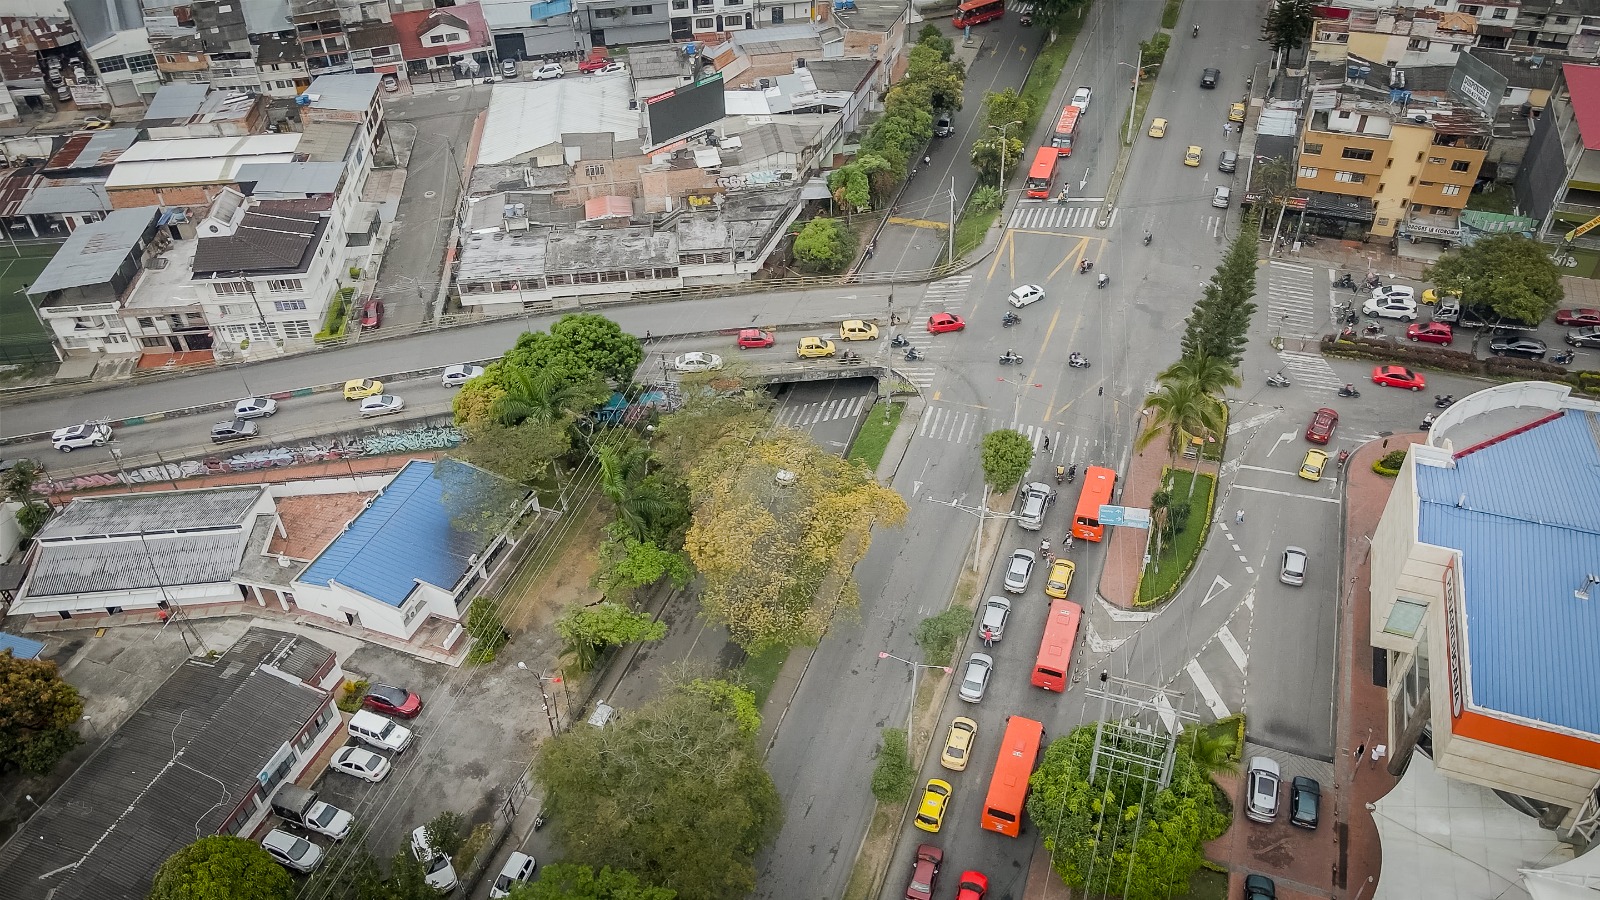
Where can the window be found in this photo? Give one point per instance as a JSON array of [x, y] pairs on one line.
[[1435, 160], [1450, 190], [1312, 150], [1356, 153], [1405, 617], [146, 322], [1417, 44], [436, 39], [281, 285], [1308, 172], [680, 5], [1471, 10], [229, 288], [607, 13], [143, 62], [1499, 13], [594, 170], [705, 23], [641, 10], [111, 64], [1562, 20], [732, 2], [1460, 165], [288, 305], [298, 329], [1350, 177], [777, 15], [732, 23]]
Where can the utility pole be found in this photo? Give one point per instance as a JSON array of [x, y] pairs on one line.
[[950, 255], [1134, 103]]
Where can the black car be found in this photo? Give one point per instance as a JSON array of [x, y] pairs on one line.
[[1584, 337], [1304, 794], [1227, 161], [1532, 348], [1259, 887], [237, 430], [943, 128], [1208, 78]]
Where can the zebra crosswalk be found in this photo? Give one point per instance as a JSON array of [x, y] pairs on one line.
[[1043, 216], [805, 415], [965, 426], [1292, 309]]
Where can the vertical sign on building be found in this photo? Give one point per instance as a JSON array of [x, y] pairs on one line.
[[1452, 639]]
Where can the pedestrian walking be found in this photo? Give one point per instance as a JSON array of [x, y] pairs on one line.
[[1068, 543], [1047, 442], [1378, 752], [1238, 517], [1361, 750], [988, 637]]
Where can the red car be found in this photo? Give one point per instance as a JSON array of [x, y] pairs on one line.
[[1430, 332], [924, 872], [372, 313], [391, 700], [598, 59], [755, 338], [1323, 422], [1578, 317], [973, 885], [939, 323], [1398, 376]]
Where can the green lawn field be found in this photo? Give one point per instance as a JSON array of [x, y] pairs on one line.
[[22, 338]]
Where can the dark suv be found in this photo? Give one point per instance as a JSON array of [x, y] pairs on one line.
[[1304, 794], [1208, 78]]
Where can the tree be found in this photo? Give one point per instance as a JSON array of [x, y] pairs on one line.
[[1182, 410], [1117, 834], [674, 792], [487, 630], [931, 36], [37, 714], [1051, 13], [546, 396], [894, 776], [1211, 750], [986, 155], [1509, 275], [851, 188], [18, 484], [986, 199], [938, 635], [1004, 107], [221, 867], [824, 247], [569, 881], [1218, 325], [1211, 375], [777, 555], [444, 832], [579, 344], [736, 702], [1288, 24], [929, 71], [1152, 53], [588, 630], [628, 563], [681, 438], [650, 506], [1006, 455], [523, 453]]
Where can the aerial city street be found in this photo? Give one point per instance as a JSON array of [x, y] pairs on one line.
[[862, 450]]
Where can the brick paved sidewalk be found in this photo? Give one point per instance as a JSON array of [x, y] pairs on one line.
[[1119, 579]]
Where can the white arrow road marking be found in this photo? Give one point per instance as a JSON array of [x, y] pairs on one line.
[[1217, 587], [1252, 422], [1284, 438]]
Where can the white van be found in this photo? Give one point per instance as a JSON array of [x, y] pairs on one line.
[[376, 731]]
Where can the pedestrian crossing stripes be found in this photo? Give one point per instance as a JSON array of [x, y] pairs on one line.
[[946, 293], [1293, 307], [958, 426], [922, 378], [1214, 225], [1310, 370], [942, 423], [1054, 215], [807, 414], [1019, 6]]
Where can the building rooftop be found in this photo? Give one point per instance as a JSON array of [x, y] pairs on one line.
[[264, 240], [175, 103], [346, 92], [1583, 87], [290, 180], [19, 646], [871, 15], [55, 199], [278, 49], [94, 252], [208, 160], [415, 532], [91, 150], [328, 141], [413, 24], [525, 116], [178, 770], [1524, 511]]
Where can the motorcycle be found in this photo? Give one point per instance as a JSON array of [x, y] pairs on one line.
[[1010, 359], [1147, 238], [849, 358], [1427, 422], [1278, 379], [1078, 361], [1102, 281], [1084, 267], [1010, 319], [1344, 456], [913, 354], [1072, 475], [1373, 330], [899, 340], [538, 820], [1349, 391], [1345, 282], [1563, 357], [1195, 32], [1442, 401], [1061, 474]]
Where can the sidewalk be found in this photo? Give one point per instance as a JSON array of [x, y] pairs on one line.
[[1119, 579]]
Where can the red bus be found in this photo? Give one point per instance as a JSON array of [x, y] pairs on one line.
[[1066, 130], [1097, 485], [1019, 750], [1055, 651], [1043, 172], [974, 12]]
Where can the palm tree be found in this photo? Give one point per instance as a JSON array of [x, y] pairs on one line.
[[1184, 411], [644, 505], [1211, 374], [1211, 750], [543, 395]]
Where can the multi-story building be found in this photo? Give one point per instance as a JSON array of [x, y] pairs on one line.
[[532, 30], [1559, 182], [446, 44]]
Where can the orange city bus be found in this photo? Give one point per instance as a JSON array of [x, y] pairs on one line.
[[1043, 172], [973, 12], [1055, 651], [1097, 485], [1066, 130], [1019, 749]]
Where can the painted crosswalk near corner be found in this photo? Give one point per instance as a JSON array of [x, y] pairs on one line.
[[1047, 215], [1294, 310], [966, 426], [1216, 676], [807, 414]]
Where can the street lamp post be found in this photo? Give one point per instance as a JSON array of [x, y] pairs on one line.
[[1002, 130], [551, 711], [1134, 103], [911, 715]]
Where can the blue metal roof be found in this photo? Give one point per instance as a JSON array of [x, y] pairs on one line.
[[414, 532], [1528, 528], [20, 647]]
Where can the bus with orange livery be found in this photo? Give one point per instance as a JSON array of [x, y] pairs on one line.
[[1019, 750], [1097, 485], [1055, 650], [1066, 130], [974, 12], [1042, 172]]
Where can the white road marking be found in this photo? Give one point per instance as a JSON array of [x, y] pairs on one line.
[[1164, 709], [1231, 644], [1251, 422], [1207, 691], [1218, 585], [1260, 490]]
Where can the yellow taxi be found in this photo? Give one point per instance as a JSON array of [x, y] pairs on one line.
[[857, 330], [1434, 295], [1311, 467], [362, 388], [1236, 112], [814, 348], [958, 744], [1060, 579], [1191, 156], [1158, 127], [935, 800]]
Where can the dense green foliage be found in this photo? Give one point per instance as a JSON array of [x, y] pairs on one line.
[[551, 376], [938, 635], [1288, 24], [38, 712], [1006, 115], [221, 867], [1217, 326], [1507, 275], [1006, 455], [589, 630], [566, 881], [824, 247], [894, 776]]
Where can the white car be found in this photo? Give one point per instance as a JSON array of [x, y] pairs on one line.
[[441, 875], [1080, 98], [697, 362], [1220, 196], [459, 374], [1394, 291], [1403, 308], [255, 408], [289, 850], [381, 405], [328, 821], [1294, 566], [549, 71], [995, 614], [89, 434], [518, 868], [1019, 570], [976, 678], [360, 762], [1028, 293]]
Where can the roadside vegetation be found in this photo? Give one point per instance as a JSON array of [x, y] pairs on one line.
[[1005, 455], [873, 439], [1507, 276]]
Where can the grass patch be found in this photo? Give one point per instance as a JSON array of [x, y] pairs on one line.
[[876, 431], [1164, 573], [760, 671], [971, 229], [875, 853], [1047, 70], [1169, 13], [1499, 200], [1141, 104], [23, 338], [1207, 885]]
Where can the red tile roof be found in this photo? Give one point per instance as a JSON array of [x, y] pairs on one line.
[[411, 26], [1583, 84]]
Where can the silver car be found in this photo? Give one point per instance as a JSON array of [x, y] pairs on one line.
[[1294, 566], [1019, 570], [995, 614], [1262, 786], [976, 679], [291, 850]]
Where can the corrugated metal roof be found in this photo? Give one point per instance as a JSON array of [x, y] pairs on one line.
[[1583, 84], [20, 647], [414, 532], [1525, 514], [525, 116], [94, 252]]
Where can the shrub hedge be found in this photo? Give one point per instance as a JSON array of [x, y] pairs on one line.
[[1432, 356]]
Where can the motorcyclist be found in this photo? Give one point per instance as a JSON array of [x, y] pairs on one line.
[[1348, 388], [1101, 281], [1010, 354], [1196, 31]]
